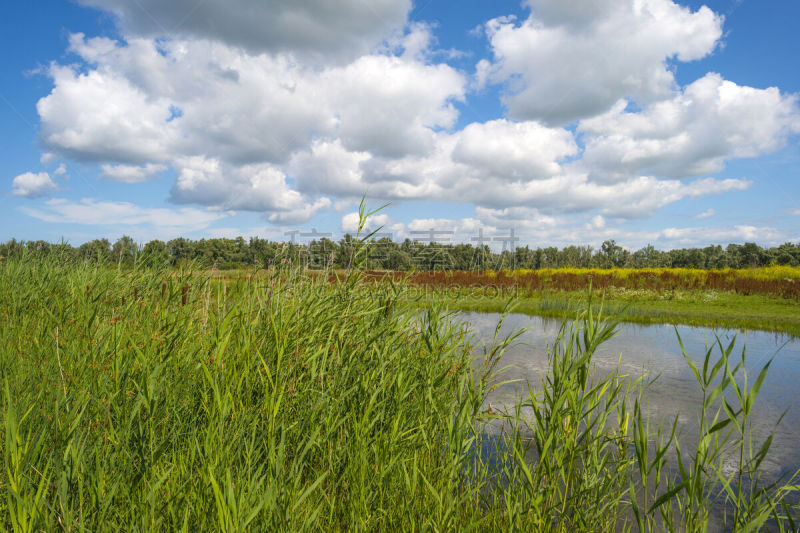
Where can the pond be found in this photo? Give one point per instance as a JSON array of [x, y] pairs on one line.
[[652, 351]]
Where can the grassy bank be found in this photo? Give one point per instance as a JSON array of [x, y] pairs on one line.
[[148, 400], [766, 298], [775, 281], [714, 309]]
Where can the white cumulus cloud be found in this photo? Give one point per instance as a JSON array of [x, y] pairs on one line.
[[495, 175], [131, 173], [569, 60], [313, 28], [738, 233], [350, 223], [257, 187], [229, 121], [314, 113], [514, 151], [30, 185], [101, 115], [388, 105], [94, 212], [712, 120], [708, 213]]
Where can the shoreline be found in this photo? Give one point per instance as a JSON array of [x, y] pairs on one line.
[[690, 308]]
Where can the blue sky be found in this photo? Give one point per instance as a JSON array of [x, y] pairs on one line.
[[648, 121]]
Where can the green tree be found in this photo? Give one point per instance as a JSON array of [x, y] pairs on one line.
[[612, 255], [124, 250], [155, 253], [98, 250]]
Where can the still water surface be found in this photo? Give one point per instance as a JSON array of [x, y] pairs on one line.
[[654, 350]]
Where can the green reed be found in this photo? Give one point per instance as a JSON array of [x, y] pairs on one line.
[[151, 399]]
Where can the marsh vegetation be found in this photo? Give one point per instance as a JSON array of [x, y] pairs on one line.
[[150, 399]]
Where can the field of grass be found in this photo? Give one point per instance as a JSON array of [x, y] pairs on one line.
[[764, 298], [147, 400], [775, 281], [711, 309]]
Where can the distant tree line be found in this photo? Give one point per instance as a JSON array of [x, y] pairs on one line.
[[407, 255]]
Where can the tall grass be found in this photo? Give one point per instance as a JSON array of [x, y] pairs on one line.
[[147, 399], [600, 464], [776, 281], [278, 405]]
